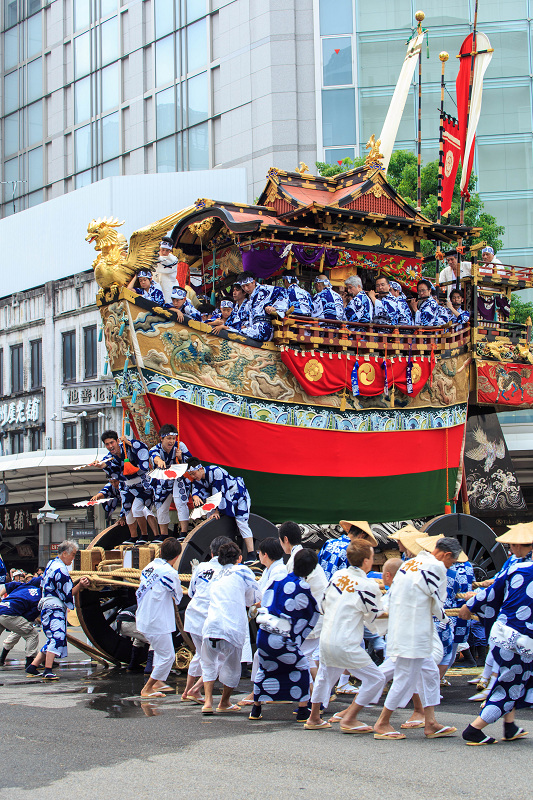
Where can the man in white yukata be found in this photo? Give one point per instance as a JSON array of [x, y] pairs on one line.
[[351, 601], [196, 613], [416, 596], [165, 268], [231, 592], [158, 591]]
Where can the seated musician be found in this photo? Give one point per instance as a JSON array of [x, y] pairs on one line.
[[263, 302], [299, 298], [426, 309], [404, 312], [147, 287], [327, 303], [359, 307], [385, 304], [454, 307], [183, 306]]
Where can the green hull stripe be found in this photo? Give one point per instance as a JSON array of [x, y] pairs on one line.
[[326, 500]]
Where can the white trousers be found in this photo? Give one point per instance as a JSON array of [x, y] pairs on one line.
[[164, 654], [414, 675], [142, 512], [371, 677], [195, 667], [244, 528], [310, 649], [221, 660], [163, 510]]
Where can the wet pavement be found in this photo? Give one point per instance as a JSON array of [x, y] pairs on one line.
[[90, 735]]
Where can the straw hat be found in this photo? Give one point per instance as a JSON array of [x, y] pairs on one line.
[[408, 536], [518, 534], [346, 525], [408, 530], [428, 543]]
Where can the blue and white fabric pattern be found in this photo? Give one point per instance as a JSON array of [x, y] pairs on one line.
[[283, 672], [428, 313], [258, 324], [153, 293], [460, 579], [300, 299], [235, 497], [332, 555], [359, 309], [238, 316], [131, 486], [328, 304], [386, 310], [162, 489], [405, 316], [22, 600], [56, 590], [190, 311], [3, 571]]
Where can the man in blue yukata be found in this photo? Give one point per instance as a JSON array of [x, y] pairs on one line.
[[359, 308], [327, 304], [264, 302], [299, 298], [385, 304], [332, 556], [182, 306], [404, 312], [426, 309], [148, 288]]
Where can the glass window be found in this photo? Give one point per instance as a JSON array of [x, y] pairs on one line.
[[82, 100], [11, 92], [35, 123], [110, 137], [452, 12], [110, 87], [10, 13], [164, 17], [516, 217], [337, 61], [83, 179], [380, 15], [110, 42], [334, 156], [82, 148], [338, 116], [17, 442], [82, 14], [89, 351], [431, 67], [90, 434], [82, 55], [510, 57], [108, 7], [36, 439], [36, 365], [35, 35], [336, 16], [504, 167], [69, 356], [198, 106], [196, 46], [69, 436], [17, 369], [11, 173], [35, 168], [1, 371], [380, 62], [505, 110], [35, 80], [164, 61], [195, 9], [490, 10], [165, 113], [199, 147], [34, 198], [11, 48], [373, 110], [111, 168], [11, 134], [166, 155], [33, 6]]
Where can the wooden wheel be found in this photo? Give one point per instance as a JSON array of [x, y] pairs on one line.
[[478, 541]]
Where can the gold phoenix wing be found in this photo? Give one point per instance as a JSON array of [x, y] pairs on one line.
[[143, 247]]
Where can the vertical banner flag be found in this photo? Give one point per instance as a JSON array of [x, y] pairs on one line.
[[468, 121], [397, 104], [451, 156]]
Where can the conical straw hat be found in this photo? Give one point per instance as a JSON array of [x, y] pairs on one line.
[[428, 543], [346, 525], [408, 536], [407, 530], [522, 533]]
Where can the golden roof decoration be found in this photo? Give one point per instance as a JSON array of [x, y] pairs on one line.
[[203, 202], [303, 169], [374, 157]]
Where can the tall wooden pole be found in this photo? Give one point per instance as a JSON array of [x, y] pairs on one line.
[[419, 16], [472, 63]]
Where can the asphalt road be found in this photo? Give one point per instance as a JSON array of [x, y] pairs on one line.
[[90, 737]]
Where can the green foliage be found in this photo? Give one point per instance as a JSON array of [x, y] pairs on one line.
[[402, 176], [520, 310]]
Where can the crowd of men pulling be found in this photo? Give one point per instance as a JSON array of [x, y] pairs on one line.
[[316, 615], [255, 305]]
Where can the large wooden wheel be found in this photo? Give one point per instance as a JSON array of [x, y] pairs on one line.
[[478, 541], [98, 610]]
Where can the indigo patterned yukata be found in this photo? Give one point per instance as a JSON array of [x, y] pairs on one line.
[[113, 494], [386, 310], [162, 489], [238, 316], [235, 497], [283, 672], [154, 293], [190, 311], [359, 309], [405, 316], [507, 605], [328, 304], [462, 578], [3, 572], [332, 556], [134, 487], [428, 314], [258, 324], [56, 590], [300, 299]]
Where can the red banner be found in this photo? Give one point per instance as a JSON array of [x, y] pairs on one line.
[[319, 374], [504, 384], [451, 156], [462, 89], [406, 270]]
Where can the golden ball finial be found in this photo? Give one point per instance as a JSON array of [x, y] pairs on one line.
[[419, 16], [444, 56]]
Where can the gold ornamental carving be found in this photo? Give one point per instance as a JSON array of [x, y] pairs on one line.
[[374, 157], [377, 191], [303, 169], [313, 370], [416, 373], [366, 374]]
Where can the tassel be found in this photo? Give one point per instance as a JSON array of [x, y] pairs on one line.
[[432, 363], [121, 329], [147, 427], [289, 260], [100, 333], [448, 507], [355, 379], [385, 377], [127, 428], [213, 298], [126, 364], [114, 401], [343, 399], [134, 396], [409, 372], [105, 367], [322, 257], [129, 468]]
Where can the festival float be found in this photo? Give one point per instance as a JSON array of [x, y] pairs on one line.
[[329, 420]]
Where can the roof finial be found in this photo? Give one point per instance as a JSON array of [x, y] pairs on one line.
[[303, 169], [374, 158]]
